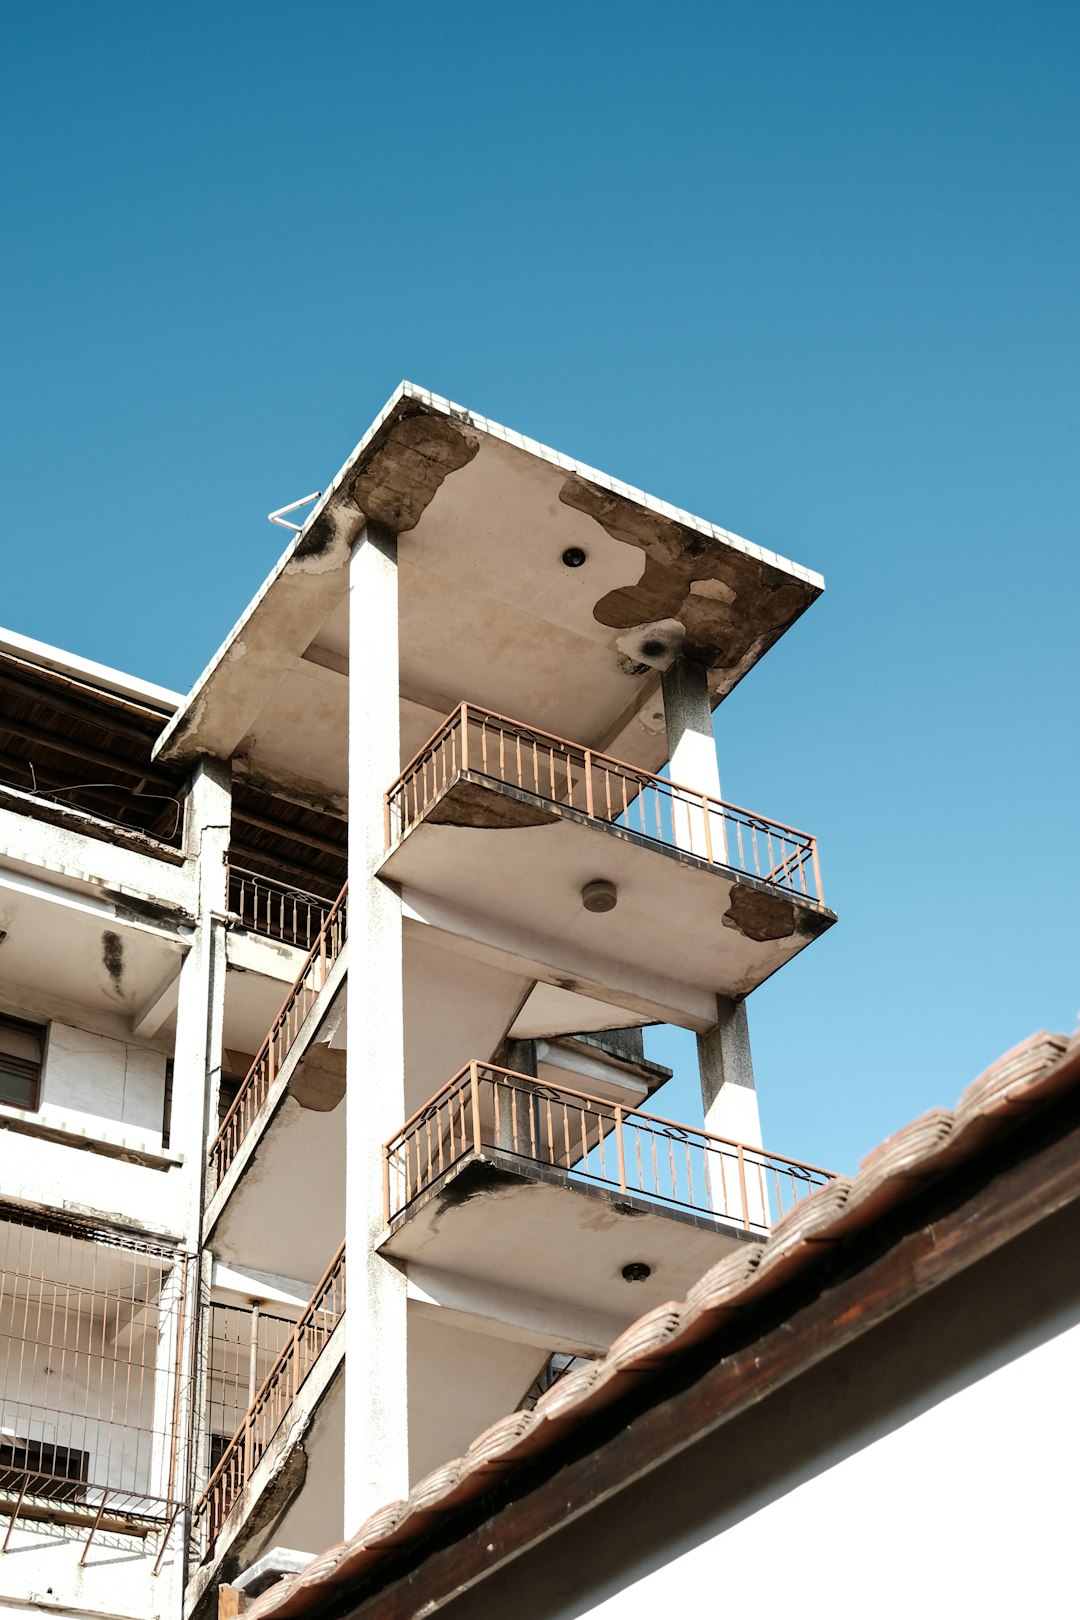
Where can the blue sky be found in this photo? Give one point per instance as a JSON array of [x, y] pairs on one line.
[[807, 269]]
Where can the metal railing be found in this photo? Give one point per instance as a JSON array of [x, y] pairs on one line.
[[93, 1376], [256, 1084], [275, 910], [480, 744], [592, 1141], [271, 1404]]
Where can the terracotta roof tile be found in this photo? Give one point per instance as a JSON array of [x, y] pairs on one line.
[[1022, 1080]]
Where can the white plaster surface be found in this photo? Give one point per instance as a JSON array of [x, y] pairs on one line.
[[90, 1079], [967, 1509]]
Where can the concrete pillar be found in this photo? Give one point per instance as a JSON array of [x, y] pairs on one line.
[[688, 719], [201, 998], [729, 1098], [376, 1389], [200, 1017], [692, 753]]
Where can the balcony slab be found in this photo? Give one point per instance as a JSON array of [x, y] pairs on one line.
[[510, 854], [504, 1222]]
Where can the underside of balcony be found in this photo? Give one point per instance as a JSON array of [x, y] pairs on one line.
[[598, 1209], [518, 858]]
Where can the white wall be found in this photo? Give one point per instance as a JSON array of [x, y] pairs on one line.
[[925, 1470], [91, 1080]]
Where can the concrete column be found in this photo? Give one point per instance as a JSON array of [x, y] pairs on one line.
[[200, 1017], [692, 753], [376, 1386], [201, 999], [729, 1098], [688, 719]]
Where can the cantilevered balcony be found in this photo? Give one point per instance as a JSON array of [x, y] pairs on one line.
[[501, 1178], [510, 823], [275, 910]]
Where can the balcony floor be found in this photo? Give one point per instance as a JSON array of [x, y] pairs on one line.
[[505, 1222], [523, 861]]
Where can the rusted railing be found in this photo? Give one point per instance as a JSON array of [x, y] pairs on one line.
[[474, 742], [93, 1376], [592, 1141], [255, 1086], [276, 910], [272, 1401]]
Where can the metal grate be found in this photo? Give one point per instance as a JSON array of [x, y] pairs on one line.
[[91, 1371]]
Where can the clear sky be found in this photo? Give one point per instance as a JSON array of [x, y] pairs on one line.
[[807, 269]]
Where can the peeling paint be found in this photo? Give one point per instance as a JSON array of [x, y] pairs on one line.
[[468, 804], [319, 1081], [759, 915], [403, 473], [732, 606]]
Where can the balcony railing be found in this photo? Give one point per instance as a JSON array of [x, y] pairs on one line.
[[593, 1142], [256, 1084], [271, 1403], [93, 1374], [480, 744], [275, 910]]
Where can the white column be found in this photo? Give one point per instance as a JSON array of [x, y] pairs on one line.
[[201, 1000], [197, 1056], [729, 1098], [692, 753], [376, 1392]]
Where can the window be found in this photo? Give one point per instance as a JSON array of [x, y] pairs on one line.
[[57, 1473], [21, 1048]]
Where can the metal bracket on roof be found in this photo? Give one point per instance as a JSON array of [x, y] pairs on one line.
[[280, 519]]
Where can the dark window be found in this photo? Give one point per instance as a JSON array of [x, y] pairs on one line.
[[56, 1472], [21, 1048], [166, 1106]]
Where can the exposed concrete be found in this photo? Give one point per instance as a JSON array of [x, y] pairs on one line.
[[469, 804], [728, 1094], [406, 465], [688, 720], [733, 606]]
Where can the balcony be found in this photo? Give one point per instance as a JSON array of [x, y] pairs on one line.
[[270, 1069], [92, 1379], [512, 822], [276, 910], [500, 1177], [288, 1383]]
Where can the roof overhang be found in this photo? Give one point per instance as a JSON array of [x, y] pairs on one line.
[[485, 516]]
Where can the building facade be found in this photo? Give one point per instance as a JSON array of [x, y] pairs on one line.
[[349, 952]]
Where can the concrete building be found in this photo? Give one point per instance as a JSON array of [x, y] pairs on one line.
[[350, 950]]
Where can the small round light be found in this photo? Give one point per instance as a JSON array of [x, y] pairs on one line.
[[636, 1271], [600, 895], [573, 556]]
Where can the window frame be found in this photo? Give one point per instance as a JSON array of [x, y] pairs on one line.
[[15, 1066]]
